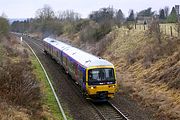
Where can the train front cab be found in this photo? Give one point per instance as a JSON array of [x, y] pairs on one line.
[[101, 82]]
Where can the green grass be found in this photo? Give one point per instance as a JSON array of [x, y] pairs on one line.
[[48, 97]]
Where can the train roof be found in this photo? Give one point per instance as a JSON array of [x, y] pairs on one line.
[[84, 58]]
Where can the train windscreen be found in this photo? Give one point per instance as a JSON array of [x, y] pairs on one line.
[[101, 76]]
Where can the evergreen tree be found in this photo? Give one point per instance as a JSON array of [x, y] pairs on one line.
[[131, 16], [172, 18], [103, 14], [161, 14], [119, 18], [146, 13]]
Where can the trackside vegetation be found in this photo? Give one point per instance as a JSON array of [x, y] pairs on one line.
[[48, 96], [24, 91], [147, 59]]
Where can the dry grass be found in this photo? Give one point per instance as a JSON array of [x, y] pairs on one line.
[[165, 28], [125, 42], [20, 95], [8, 112], [148, 72]]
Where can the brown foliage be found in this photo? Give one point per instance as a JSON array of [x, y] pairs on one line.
[[129, 26], [153, 51], [132, 56], [154, 30], [13, 49], [18, 84], [170, 72], [101, 46]]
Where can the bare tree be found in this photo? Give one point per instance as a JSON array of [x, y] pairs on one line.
[[68, 15], [154, 30], [119, 17], [4, 15], [45, 13], [45, 18]]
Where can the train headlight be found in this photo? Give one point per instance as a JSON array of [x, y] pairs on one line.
[[92, 87], [112, 86]]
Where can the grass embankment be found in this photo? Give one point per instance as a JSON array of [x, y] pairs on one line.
[[148, 71], [24, 91], [17, 98], [49, 101]]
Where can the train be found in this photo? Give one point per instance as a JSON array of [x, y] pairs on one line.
[[95, 76]]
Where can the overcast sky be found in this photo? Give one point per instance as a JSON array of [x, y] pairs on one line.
[[27, 8]]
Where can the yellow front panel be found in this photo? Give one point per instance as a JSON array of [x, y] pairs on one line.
[[94, 89], [100, 88]]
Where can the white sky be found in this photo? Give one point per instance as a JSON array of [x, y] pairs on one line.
[[27, 8]]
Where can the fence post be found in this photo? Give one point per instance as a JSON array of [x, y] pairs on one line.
[[144, 27], [171, 30], [165, 30]]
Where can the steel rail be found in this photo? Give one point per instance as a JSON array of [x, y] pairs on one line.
[[118, 110], [106, 115], [47, 77]]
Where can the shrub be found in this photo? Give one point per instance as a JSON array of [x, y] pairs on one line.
[[132, 56], [87, 34], [102, 31], [129, 25], [18, 85], [154, 30], [94, 31], [4, 26]]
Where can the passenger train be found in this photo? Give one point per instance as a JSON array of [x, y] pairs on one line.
[[95, 76]]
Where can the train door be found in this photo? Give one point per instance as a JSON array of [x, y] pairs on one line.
[[51, 50], [76, 71], [66, 62], [61, 58]]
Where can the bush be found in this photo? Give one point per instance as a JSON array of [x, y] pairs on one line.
[[4, 26], [94, 31], [102, 31], [154, 30], [18, 85], [132, 56], [81, 24], [68, 27], [102, 45], [87, 34], [129, 25]]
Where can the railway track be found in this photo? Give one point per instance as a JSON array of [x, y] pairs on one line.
[[105, 110], [47, 77]]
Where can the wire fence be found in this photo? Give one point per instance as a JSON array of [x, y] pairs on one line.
[[168, 29]]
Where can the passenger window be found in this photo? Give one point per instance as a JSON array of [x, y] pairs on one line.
[[80, 75]]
